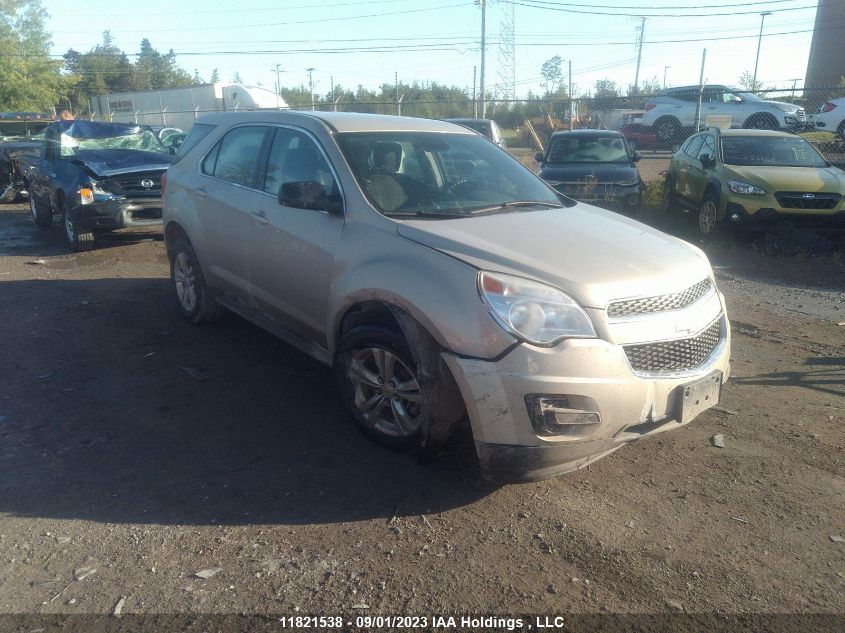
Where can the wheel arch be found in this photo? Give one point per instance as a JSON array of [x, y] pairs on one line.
[[172, 232]]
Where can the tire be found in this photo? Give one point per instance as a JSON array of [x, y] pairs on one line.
[[42, 217], [78, 240], [761, 121], [193, 298], [666, 130], [668, 200], [708, 217], [371, 362]]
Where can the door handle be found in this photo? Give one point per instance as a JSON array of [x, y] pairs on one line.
[[260, 216]]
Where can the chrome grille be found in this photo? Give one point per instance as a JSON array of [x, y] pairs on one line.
[[660, 303], [132, 183], [672, 356]]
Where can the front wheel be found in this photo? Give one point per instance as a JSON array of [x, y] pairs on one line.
[[41, 216], [77, 238], [192, 294], [708, 217], [379, 384]]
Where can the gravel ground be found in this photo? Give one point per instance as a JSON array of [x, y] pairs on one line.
[[137, 450]]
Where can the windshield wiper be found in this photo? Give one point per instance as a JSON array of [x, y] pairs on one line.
[[425, 214], [517, 203]]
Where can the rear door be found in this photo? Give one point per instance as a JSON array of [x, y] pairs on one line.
[[698, 174], [292, 249], [227, 196], [685, 159]]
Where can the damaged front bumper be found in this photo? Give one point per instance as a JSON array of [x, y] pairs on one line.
[[118, 213], [589, 382]]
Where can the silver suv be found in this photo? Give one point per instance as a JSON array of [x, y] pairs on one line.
[[442, 280], [674, 111]]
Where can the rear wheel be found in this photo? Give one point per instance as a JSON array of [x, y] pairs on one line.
[[77, 238], [666, 130], [708, 217], [192, 294], [41, 216], [668, 202]]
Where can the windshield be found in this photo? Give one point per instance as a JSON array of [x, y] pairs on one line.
[[774, 151], [743, 94], [83, 135], [431, 173], [592, 149]]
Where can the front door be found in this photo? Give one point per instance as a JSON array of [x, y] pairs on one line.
[[292, 254]]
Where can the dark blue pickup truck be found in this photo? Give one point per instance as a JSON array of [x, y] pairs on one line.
[[97, 176]]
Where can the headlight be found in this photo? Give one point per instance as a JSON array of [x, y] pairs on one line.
[[532, 311], [93, 192], [744, 189]]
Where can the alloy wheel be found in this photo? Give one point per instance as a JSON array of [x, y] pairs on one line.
[[185, 280], [707, 217], [386, 392]]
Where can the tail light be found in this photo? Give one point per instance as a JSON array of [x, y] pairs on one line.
[[650, 106], [163, 182], [827, 107]]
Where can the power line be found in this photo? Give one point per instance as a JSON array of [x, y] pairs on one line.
[[292, 22], [251, 10], [543, 4]]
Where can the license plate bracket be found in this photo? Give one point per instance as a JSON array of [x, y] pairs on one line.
[[698, 396]]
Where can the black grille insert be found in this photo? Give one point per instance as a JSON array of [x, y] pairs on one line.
[[660, 303], [141, 182], [671, 356], [807, 200]]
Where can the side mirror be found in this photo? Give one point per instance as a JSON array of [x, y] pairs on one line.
[[173, 151], [636, 156], [539, 157], [706, 160], [309, 195]]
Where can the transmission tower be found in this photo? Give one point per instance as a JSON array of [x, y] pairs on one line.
[[506, 72]]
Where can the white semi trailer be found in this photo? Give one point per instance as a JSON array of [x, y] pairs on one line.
[[180, 107]]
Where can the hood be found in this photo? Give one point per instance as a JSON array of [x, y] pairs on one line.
[[592, 254], [107, 162], [601, 172], [780, 105], [810, 179]]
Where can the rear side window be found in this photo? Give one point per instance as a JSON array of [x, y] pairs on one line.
[[235, 158], [197, 133]]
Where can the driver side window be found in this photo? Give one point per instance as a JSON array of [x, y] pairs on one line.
[[294, 157]]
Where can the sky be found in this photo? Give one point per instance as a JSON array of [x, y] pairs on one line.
[[357, 42]]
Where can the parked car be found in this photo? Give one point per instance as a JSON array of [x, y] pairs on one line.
[[594, 166], [21, 137], [831, 117], [485, 127], [673, 111], [97, 177], [754, 178], [644, 137], [441, 278]]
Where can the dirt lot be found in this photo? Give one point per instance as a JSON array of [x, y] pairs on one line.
[[147, 449]]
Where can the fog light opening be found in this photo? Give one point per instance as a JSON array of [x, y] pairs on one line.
[[554, 415], [735, 217]]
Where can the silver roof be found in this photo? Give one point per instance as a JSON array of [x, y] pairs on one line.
[[340, 121]]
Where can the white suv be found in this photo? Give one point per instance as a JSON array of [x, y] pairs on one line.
[[674, 110]]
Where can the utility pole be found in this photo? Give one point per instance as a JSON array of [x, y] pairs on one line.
[[474, 96], [665, 72], [396, 83], [311, 84], [331, 80], [570, 94], [639, 56], [759, 41], [278, 85], [700, 92], [483, 5]]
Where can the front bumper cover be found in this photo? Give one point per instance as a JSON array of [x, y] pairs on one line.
[[592, 372], [118, 213]]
